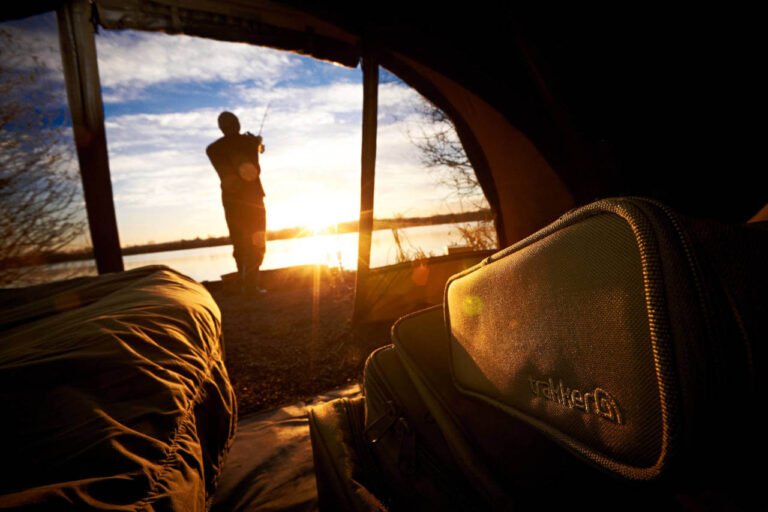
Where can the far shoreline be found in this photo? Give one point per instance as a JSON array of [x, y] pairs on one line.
[[282, 234]]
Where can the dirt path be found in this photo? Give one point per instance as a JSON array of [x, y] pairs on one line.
[[291, 344]]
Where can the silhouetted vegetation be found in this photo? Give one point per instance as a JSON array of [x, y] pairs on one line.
[[40, 195], [441, 151]]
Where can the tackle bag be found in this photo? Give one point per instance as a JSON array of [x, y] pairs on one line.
[[615, 356]]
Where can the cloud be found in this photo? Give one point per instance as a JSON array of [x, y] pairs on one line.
[[32, 42], [179, 58], [398, 99], [334, 97]]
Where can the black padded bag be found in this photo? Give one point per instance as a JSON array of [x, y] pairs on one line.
[[415, 470], [343, 469], [385, 452], [628, 334]]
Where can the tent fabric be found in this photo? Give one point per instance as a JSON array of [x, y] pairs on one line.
[[114, 394], [259, 22], [520, 184], [270, 466]]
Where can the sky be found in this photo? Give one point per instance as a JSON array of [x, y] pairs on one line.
[[162, 95]]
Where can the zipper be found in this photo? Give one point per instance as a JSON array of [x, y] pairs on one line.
[[690, 260], [712, 350], [391, 420], [412, 454]]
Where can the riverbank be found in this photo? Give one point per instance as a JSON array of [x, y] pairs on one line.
[[296, 341], [86, 254]]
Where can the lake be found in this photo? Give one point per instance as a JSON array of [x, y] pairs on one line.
[[210, 263]]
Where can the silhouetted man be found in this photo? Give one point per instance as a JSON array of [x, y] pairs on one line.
[[235, 157]]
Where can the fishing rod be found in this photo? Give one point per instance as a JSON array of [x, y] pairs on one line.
[[259, 138], [264, 118]]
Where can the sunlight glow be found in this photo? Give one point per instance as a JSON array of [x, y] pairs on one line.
[[331, 250], [318, 215]]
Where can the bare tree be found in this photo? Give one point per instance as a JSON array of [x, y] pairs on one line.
[[40, 194], [441, 151]]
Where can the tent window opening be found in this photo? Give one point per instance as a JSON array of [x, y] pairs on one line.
[[428, 202], [162, 98], [430, 217]]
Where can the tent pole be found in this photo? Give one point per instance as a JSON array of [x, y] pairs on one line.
[[81, 73], [370, 67]]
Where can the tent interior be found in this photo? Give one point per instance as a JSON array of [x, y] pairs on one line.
[[554, 110]]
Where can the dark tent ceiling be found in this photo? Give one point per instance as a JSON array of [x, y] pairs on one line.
[[655, 103], [660, 103]]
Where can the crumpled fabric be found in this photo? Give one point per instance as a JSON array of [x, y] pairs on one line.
[[114, 394]]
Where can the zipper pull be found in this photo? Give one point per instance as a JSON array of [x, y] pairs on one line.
[[406, 457], [381, 425]]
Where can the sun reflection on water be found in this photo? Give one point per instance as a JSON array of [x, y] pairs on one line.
[[326, 248]]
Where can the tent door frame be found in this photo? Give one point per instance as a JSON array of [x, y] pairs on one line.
[[81, 76], [370, 67]]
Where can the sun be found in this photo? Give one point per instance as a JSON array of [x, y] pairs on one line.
[[314, 215], [319, 240], [322, 223]]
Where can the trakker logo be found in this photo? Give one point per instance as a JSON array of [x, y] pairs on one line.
[[598, 401]]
